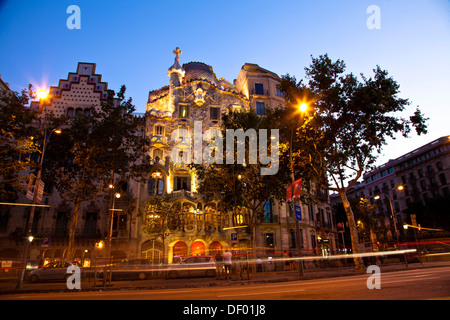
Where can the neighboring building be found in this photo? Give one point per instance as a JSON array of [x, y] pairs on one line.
[[423, 173], [259, 86], [79, 93]]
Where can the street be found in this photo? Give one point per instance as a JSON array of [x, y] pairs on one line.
[[430, 283]]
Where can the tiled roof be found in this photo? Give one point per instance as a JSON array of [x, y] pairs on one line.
[[199, 71]]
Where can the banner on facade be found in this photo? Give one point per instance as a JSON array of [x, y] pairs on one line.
[[289, 193], [298, 187], [298, 212], [297, 190]]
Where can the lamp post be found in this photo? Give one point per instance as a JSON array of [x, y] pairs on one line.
[[302, 108], [110, 231], [388, 195], [43, 96]]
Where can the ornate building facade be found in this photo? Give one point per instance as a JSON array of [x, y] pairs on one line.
[[195, 94]]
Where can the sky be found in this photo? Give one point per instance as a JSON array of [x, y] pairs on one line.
[[132, 41]]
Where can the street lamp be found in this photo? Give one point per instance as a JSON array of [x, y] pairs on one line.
[[302, 108], [388, 195], [42, 93]]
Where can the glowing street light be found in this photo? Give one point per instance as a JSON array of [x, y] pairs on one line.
[[303, 107], [42, 94]]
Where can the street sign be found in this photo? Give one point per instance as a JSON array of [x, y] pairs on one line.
[[298, 212], [45, 242], [40, 191], [340, 227], [30, 188], [234, 238]]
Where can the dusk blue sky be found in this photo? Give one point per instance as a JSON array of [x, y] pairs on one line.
[[132, 42]]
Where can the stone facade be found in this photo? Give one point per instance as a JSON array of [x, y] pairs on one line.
[[423, 173]]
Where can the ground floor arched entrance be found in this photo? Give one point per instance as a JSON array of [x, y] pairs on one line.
[[180, 249], [198, 248]]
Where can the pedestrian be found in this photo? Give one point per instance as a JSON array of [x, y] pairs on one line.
[[286, 261], [219, 264], [227, 255]]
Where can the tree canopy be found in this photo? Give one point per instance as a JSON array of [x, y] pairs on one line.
[[351, 120]]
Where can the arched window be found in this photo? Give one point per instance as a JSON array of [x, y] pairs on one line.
[[156, 183], [189, 217]]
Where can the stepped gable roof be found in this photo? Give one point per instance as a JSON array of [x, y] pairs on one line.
[[199, 71]]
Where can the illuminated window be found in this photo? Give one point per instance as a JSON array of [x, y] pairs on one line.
[[183, 111], [270, 241], [156, 183]]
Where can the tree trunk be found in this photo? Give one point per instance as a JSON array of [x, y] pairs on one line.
[[73, 226], [359, 266]]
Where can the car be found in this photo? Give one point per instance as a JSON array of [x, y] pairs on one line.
[[194, 266], [56, 270], [133, 269]]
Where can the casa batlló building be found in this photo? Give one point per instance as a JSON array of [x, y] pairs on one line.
[[193, 95]]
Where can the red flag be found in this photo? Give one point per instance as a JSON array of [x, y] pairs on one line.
[[289, 192], [298, 187]]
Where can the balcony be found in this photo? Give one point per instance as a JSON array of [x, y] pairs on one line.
[[183, 193], [181, 168], [263, 92], [158, 141]]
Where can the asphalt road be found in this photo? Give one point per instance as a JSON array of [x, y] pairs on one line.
[[431, 283]]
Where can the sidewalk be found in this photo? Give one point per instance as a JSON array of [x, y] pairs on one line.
[[8, 287]]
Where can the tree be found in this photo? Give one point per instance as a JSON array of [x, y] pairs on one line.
[[355, 119], [240, 188], [162, 218], [92, 150], [17, 141]]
